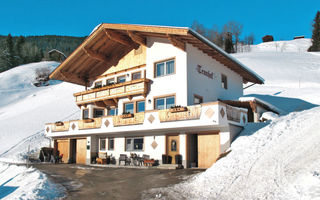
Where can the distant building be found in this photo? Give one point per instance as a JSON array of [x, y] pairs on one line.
[[267, 38], [298, 37]]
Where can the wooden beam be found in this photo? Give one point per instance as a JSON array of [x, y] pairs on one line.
[[122, 39], [137, 38], [70, 77], [96, 55], [115, 101], [99, 103], [109, 102], [129, 97], [177, 43]]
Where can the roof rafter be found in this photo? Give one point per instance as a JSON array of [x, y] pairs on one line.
[[122, 39], [97, 55], [176, 42], [77, 79], [137, 38]]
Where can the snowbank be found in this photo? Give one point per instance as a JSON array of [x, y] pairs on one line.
[[19, 182], [269, 116], [279, 161]]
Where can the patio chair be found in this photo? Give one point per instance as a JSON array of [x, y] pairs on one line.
[[124, 157]]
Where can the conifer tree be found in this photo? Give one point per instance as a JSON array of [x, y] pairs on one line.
[[18, 48], [228, 44], [10, 52], [316, 34]]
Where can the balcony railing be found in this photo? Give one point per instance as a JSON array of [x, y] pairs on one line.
[[202, 116], [115, 91], [233, 113]]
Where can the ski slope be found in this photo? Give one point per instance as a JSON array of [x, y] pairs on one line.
[[290, 73], [24, 109], [278, 159]]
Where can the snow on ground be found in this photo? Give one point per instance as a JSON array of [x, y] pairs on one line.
[[24, 109], [278, 159], [19, 182], [298, 45], [290, 73]]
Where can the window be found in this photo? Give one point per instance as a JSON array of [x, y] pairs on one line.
[[111, 144], [102, 144], [110, 81], [173, 145], [136, 75], [113, 111], [121, 79], [164, 103], [98, 112], [134, 144], [197, 99], [98, 84], [224, 81], [140, 106], [129, 108], [85, 114], [164, 68]]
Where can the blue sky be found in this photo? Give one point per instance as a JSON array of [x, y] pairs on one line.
[[281, 18]]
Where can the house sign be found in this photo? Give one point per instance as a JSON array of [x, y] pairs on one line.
[[205, 72]]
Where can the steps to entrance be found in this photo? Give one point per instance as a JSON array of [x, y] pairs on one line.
[[168, 166]]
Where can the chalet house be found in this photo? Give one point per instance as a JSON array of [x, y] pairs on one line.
[[151, 90]]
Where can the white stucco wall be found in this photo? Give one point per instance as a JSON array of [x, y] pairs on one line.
[[161, 49], [155, 153], [210, 89]]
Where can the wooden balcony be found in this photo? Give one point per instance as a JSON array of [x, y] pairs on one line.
[[113, 92], [204, 116], [60, 126], [89, 123]]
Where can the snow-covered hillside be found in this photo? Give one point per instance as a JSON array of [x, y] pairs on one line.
[[298, 45], [274, 160], [290, 73], [24, 109]]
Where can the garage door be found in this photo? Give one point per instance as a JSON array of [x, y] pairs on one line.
[[63, 148], [208, 149], [81, 153]]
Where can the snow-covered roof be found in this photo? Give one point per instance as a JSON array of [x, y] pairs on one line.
[[260, 101]]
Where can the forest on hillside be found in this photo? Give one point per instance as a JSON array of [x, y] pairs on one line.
[[17, 50]]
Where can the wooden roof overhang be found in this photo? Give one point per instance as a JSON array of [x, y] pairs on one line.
[[110, 42]]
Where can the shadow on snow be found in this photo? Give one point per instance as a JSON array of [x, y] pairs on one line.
[[6, 190], [286, 104]]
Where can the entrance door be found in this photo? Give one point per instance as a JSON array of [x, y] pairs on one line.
[[208, 149], [173, 146], [63, 148], [81, 153]]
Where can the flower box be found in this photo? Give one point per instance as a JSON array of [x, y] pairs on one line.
[[178, 109], [128, 115], [59, 123], [88, 120]]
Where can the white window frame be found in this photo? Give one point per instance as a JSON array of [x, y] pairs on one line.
[[165, 67], [165, 101]]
